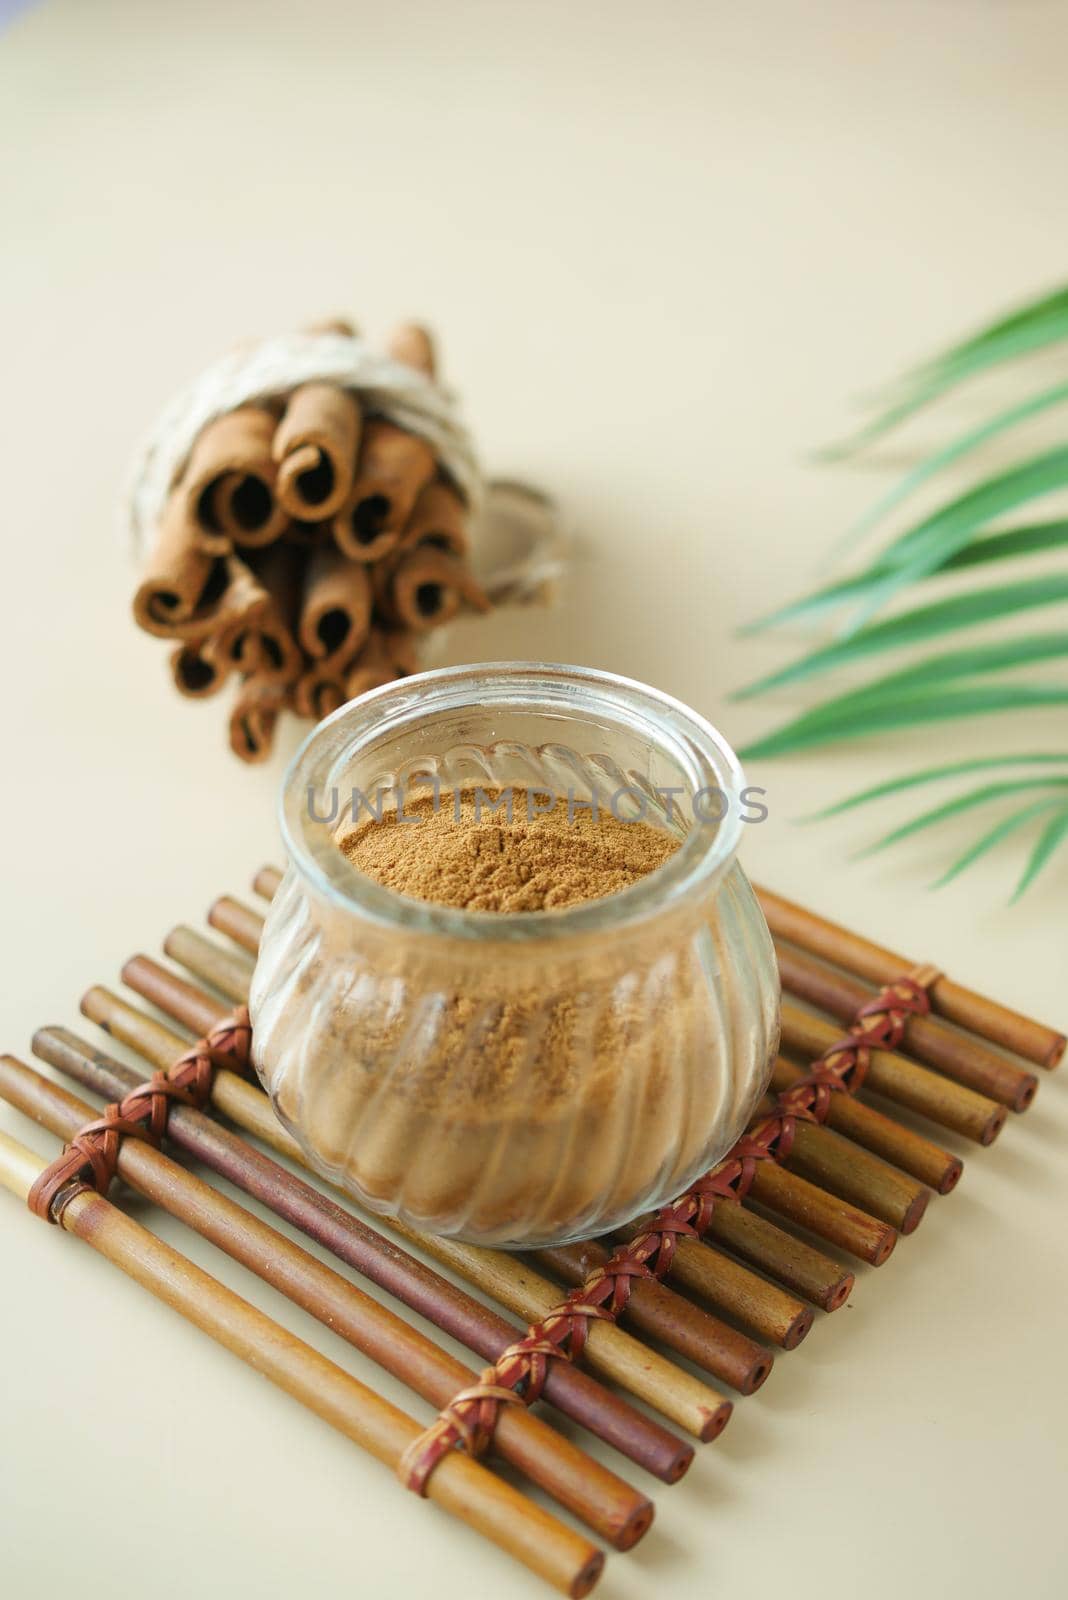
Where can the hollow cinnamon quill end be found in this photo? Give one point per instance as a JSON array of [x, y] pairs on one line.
[[335, 613], [438, 521], [229, 481], [315, 450], [412, 344], [200, 670], [429, 587], [178, 572], [254, 719], [394, 467]]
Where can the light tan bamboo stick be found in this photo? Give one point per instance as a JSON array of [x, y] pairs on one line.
[[459, 1484], [610, 1507], [686, 1401]]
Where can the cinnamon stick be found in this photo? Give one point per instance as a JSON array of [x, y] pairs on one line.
[[427, 588], [610, 1507], [387, 654], [880, 1134], [177, 576], [459, 1484], [413, 346], [318, 692], [965, 1060], [394, 467], [254, 717], [684, 1400], [877, 965], [898, 1079], [273, 651], [335, 608], [438, 521], [201, 669], [229, 481], [660, 1314], [315, 448], [441, 1302]]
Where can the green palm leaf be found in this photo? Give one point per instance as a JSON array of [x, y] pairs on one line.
[[1006, 545], [931, 384], [1051, 836], [913, 627], [896, 691], [961, 447], [961, 802], [955, 769], [987, 841], [959, 535], [908, 710]]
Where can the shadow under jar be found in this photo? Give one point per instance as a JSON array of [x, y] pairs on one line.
[[525, 1078]]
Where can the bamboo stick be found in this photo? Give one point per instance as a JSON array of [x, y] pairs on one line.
[[901, 1080], [795, 1264], [383, 1262], [882, 1135], [610, 1507], [840, 1168], [685, 1400], [965, 1060], [659, 1313], [730, 1289], [875, 964], [459, 1484]]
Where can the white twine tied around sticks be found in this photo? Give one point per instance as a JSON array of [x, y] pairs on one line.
[[520, 523]]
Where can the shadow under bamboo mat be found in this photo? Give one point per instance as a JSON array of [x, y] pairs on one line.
[[841, 1178]]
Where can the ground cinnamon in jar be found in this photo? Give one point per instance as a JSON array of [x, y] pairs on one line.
[[509, 1092], [507, 851]]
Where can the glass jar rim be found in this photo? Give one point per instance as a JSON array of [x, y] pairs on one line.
[[704, 851]]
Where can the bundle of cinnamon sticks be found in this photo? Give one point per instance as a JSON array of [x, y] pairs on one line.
[[304, 548]]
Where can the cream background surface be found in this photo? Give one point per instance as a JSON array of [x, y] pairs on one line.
[[663, 246]]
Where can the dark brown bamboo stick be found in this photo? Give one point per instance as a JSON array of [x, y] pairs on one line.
[[772, 1313], [612, 1353], [608, 1506], [855, 1175], [880, 1134], [875, 964], [785, 1192], [659, 1313], [793, 1263], [459, 1484], [380, 1260], [964, 1059], [950, 1105], [797, 1264]]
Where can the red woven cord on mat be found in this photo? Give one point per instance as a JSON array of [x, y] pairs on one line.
[[90, 1160], [467, 1422]]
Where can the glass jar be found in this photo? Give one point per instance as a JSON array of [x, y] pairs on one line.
[[526, 1078]]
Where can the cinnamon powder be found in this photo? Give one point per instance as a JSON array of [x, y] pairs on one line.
[[459, 852]]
